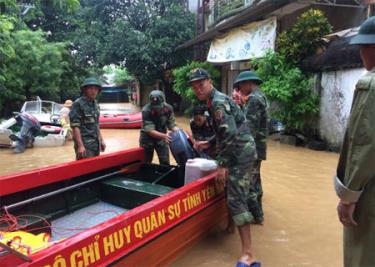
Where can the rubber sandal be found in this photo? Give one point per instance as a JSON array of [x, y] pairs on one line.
[[254, 264]]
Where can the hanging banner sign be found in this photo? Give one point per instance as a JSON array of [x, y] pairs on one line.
[[246, 42]]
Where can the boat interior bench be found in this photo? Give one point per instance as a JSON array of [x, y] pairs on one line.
[[149, 182], [129, 193]]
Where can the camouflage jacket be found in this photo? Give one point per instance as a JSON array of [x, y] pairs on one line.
[[255, 111], [159, 119], [236, 145], [85, 115]]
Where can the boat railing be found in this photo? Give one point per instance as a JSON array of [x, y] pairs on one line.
[[65, 189]]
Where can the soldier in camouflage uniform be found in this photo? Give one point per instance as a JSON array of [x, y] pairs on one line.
[[84, 120], [235, 156], [255, 110], [157, 118], [202, 130]]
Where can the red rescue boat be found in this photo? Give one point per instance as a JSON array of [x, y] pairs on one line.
[[112, 209], [121, 121]]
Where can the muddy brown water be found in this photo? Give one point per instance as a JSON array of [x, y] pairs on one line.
[[301, 228]]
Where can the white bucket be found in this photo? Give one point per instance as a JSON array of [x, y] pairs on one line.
[[198, 168]]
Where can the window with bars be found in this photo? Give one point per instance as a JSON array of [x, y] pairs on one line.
[[219, 10]]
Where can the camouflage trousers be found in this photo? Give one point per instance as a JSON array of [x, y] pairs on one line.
[[161, 148], [238, 193], [256, 193], [91, 151]]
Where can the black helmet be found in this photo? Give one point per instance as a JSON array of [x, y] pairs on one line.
[[199, 110], [198, 74]]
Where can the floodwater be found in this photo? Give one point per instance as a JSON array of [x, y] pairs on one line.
[[300, 230]]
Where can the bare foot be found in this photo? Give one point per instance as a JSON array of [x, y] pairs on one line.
[[253, 264]]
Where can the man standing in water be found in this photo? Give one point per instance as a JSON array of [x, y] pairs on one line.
[[255, 110], [84, 120], [235, 156], [64, 119], [355, 180], [157, 118]]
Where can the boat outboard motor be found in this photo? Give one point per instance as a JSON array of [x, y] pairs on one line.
[[30, 127], [181, 147]]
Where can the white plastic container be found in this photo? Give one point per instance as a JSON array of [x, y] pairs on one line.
[[198, 168]]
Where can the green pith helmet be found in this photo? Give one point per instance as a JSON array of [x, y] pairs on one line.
[[157, 98], [198, 74], [91, 81], [247, 76], [366, 33]]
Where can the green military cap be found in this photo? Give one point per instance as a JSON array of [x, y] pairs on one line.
[[198, 74], [247, 76], [91, 81], [157, 98], [366, 33]]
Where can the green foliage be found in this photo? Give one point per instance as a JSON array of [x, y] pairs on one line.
[[305, 36], [71, 77], [8, 22], [6, 50], [145, 41], [58, 18], [37, 65], [290, 91], [8, 7], [82, 36], [120, 75], [51, 9], [141, 35], [286, 86], [30, 65], [182, 75], [70, 6], [37, 68]]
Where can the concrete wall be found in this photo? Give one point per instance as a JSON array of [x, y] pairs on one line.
[[336, 99]]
